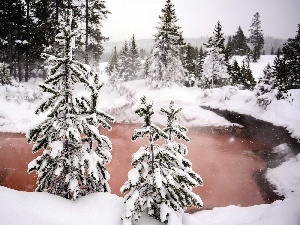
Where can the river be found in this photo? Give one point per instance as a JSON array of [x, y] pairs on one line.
[[224, 162]]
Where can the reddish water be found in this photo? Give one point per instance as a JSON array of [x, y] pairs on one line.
[[222, 162]]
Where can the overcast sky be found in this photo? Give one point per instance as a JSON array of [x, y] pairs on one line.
[[279, 18]]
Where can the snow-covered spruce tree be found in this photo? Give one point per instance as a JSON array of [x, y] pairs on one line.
[[165, 66], [218, 41], [144, 185], [264, 87], [256, 37], [214, 67], [5, 78], [178, 178], [75, 154]]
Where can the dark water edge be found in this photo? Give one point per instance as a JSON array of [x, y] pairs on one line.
[[268, 134], [260, 130]]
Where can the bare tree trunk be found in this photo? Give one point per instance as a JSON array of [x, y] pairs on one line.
[[10, 60], [19, 66], [27, 50], [86, 31], [18, 47]]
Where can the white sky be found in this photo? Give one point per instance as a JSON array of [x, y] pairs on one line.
[[197, 18]]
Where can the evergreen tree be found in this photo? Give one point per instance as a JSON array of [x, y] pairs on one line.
[[291, 53], [134, 59], [124, 61], [235, 74], [247, 79], [75, 154], [42, 32], [199, 64], [274, 83], [264, 86], [92, 13], [176, 169], [214, 67], [113, 62], [256, 37], [219, 41], [281, 74], [13, 35], [241, 76], [144, 183], [239, 43], [165, 66], [188, 60], [230, 46]]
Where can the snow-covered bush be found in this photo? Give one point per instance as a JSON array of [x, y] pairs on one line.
[[22, 93], [218, 94], [8, 93], [33, 95], [214, 69]]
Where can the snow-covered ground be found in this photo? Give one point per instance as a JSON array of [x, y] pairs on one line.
[[17, 115]]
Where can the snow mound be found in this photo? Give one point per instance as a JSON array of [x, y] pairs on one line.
[[286, 178], [285, 212], [29, 208], [25, 208]]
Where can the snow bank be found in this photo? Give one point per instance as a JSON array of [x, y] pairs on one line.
[[186, 98], [285, 212], [286, 178], [25, 208]]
